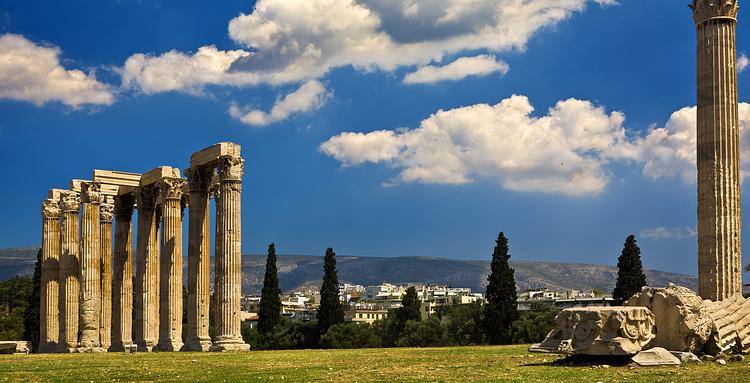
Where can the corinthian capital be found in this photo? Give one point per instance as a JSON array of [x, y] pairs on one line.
[[200, 177], [231, 168], [146, 196], [50, 209], [106, 209], [172, 188], [70, 201], [707, 10], [124, 205], [91, 192]]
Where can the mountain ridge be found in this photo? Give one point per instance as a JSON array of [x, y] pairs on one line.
[[306, 271]]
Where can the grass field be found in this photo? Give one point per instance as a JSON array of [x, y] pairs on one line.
[[454, 364]]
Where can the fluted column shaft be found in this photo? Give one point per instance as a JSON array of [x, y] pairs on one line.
[[146, 329], [90, 268], [105, 241], [69, 272], [199, 260], [122, 281], [49, 318], [170, 329], [228, 284], [718, 157]]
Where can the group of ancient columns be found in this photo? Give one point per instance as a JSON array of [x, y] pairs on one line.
[[94, 297]]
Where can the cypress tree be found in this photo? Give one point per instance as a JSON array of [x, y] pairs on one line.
[[330, 311], [630, 276], [270, 299], [410, 306], [31, 320], [501, 308]]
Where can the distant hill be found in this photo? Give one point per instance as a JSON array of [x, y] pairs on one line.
[[299, 271]]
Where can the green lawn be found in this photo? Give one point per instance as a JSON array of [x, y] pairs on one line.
[[453, 364]]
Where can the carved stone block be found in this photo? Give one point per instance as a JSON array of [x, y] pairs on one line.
[[599, 331]]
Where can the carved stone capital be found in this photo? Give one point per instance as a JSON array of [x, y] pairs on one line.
[[70, 201], [172, 188], [147, 197], [199, 178], [707, 10], [91, 192], [124, 205], [231, 168], [50, 209], [106, 209]]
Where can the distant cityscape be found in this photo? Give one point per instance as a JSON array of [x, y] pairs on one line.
[[370, 303]]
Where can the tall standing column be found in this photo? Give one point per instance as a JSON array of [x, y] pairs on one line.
[[718, 157], [170, 321], [122, 281], [50, 287], [199, 260], [146, 329], [69, 271], [105, 241], [91, 263], [228, 283]]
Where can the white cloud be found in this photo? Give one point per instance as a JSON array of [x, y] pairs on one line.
[[459, 69], [561, 152], [742, 63], [310, 96], [176, 71], [295, 41], [31, 72], [660, 233], [670, 151]]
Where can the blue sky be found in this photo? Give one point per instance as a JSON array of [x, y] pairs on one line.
[[342, 150]]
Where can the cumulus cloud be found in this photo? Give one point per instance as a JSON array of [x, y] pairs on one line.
[[310, 96], [670, 151], [660, 233], [176, 71], [562, 152], [742, 63], [293, 41], [32, 72], [459, 69]]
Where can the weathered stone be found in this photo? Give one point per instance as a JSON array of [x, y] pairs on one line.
[[122, 280], [656, 356], [599, 331], [199, 259], [146, 326], [718, 157], [50, 286], [90, 303], [69, 271], [682, 321], [686, 357], [210, 156], [153, 176], [730, 323], [170, 322], [105, 241], [228, 256]]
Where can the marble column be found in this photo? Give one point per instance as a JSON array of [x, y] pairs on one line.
[[718, 151], [69, 271], [170, 321], [228, 280], [146, 328], [199, 260], [50, 287], [105, 241], [91, 263], [122, 281]]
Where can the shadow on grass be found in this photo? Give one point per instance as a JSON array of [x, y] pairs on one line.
[[586, 360]]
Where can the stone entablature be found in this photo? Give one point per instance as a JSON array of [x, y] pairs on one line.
[[87, 269]]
